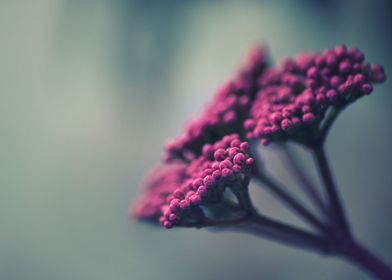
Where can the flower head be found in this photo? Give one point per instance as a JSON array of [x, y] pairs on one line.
[[224, 114], [293, 99], [180, 191]]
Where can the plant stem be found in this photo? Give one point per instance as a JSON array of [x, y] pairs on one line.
[[290, 235], [289, 200], [363, 258], [268, 228], [283, 195], [334, 201], [304, 180], [243, 196], [327, 124]]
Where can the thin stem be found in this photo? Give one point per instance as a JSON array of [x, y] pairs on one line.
[[243, 196], [285, 233], [363, 258], [331, 190], [264, 227], [292, 235], [249, 220], [231, 204], [284, 196], [327, 124], [290, 201], [305, 182]]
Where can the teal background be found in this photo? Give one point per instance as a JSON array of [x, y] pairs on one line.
[[91, 90]]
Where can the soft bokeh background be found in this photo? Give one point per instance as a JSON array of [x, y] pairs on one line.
[[90, 91]]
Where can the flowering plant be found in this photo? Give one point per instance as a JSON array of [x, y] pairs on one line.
[[204, 176]]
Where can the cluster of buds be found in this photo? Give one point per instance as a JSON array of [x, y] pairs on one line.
[[296, 96], [228, 109], [185, 187], [204, 177], [288, 102], [159, 183]]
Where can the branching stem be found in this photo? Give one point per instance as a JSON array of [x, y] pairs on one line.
[[335, 204], [286, 197], [305, 182]]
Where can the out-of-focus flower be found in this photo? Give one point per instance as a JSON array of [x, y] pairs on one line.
[[225, 113], [159, 183]]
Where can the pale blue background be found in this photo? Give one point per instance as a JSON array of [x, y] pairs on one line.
[[90, 91]]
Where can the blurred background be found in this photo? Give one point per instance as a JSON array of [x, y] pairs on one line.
[[91, 90]]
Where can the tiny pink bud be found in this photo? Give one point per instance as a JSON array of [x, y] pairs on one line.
[[236, 168], [320, 98], [172, 217], [244, 101], [197, 182], [264, 141], [208, 150], [219, 154], [167, 224], [267, 130], [239, 158], [359, 79], [235, 143], [345, 67], [341, 51], [202, 191], [208, 180], [296, 121], [244, 146], [312, 73], [367, 88], [332, 95], [215, 166], [320, 61], [178, 193], [249, 124], [331, 60], [308, 118], [305, 109], [229, 117], [174, 203], [226, 172], [286, 124], [225, 164], [195, 199], [216, 174], [335, 81], [184, 204]]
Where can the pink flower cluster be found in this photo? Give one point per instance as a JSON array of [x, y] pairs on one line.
[[228, 108], [158, 185], [286, 102], [176, 191], [296, 95]]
